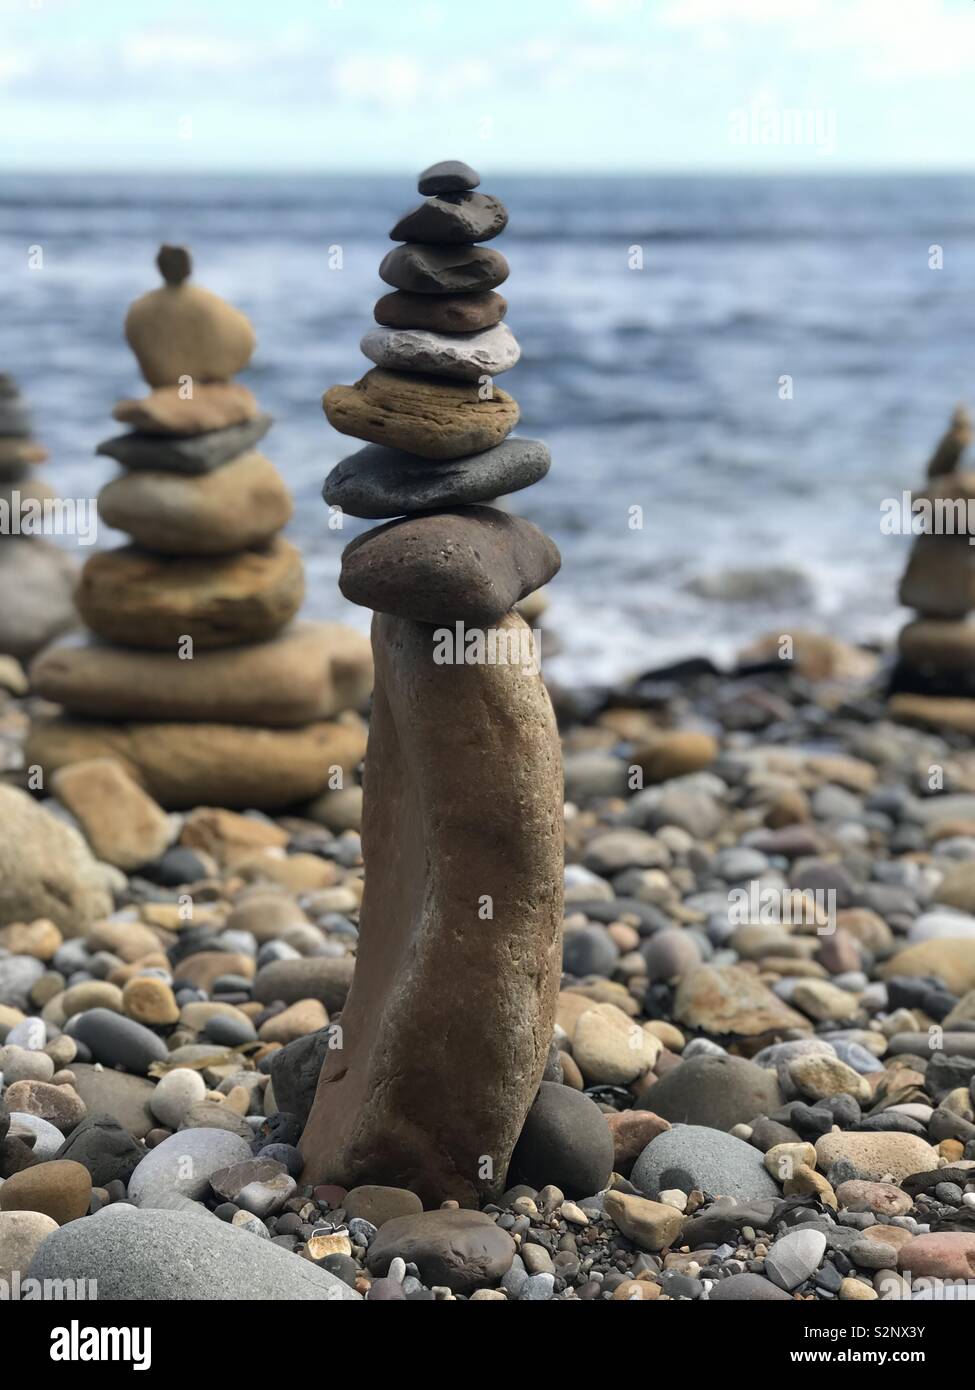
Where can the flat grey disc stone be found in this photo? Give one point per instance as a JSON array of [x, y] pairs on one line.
[[379, 482], [449, 176], [466, 355], [187, 453]]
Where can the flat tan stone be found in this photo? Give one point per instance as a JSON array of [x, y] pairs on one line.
[[186, 765], [166, 411], [138, 599], [308, 672], [424, 415], [123, 825]]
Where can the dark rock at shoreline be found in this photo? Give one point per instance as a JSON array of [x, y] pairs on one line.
[[719, 1092], [460, 1250], [102, 1146], [565, 1140]]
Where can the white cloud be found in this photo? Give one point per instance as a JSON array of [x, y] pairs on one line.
[[15, 63], [389, 79], [154, 49]]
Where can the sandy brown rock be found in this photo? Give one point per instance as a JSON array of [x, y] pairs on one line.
[[952, 444], [185, 330], [424, 415], [435, 1110], [727, 999], [675, 753], [142, 600], [242, 504], [310, 671], [441, 313], [122, 824], [950, 958], [46, 869], [184, 765], [60, 1189], [468, 564], [939, 646], [934, 712], [940, 577], [167, 410]]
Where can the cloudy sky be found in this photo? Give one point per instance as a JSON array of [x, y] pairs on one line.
[[550, 85]]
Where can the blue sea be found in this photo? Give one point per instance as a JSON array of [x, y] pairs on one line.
[[658, 318]]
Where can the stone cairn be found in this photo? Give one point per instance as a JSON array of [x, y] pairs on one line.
[[448, 1023], [198, 679], [934, 680], [36, 576]]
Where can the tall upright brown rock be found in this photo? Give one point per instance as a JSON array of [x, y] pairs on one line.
[[440, 1048]]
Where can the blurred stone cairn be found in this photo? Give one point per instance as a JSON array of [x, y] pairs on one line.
[[934, 680], [36, 576], [447, 1026], [197, 678]]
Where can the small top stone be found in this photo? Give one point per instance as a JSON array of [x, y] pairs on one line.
[[175, 264], [449, 176]]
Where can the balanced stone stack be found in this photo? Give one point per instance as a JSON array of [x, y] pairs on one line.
[[197, 678], [36, 576], [462, 826], [934, 681]]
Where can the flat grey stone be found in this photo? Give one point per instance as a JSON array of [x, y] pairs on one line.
[[184, 1163], [690, 1156], [194, 453], [381, 482], [47, 1137], [133, 1255], [468, 356]]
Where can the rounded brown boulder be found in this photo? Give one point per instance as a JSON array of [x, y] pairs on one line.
[[60, 1189], [470, 564], [142, 600], [461, 1250], [424, 415], [241, 504]]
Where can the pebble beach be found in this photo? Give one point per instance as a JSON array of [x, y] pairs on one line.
[[734, 1107]]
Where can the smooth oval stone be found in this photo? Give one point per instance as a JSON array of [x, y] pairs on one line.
[[446, 313], [243, 503], [139, 599], [422, 414], [193, 453], [449, 176], [116, 1041], [453, 218], [443, 269], [465, 355], [470, 565], [380, 482]]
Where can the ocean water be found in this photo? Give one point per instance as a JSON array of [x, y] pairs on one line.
[[657, 388]]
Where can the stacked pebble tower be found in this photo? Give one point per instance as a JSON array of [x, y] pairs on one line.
[[224, 697], [38, 572], [935, 674], [437, 427]]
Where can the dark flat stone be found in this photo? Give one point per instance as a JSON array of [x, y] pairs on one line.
[[443, 269], [195, 453], [449, 176], [453, 218], [381, 482], [447, 313]]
